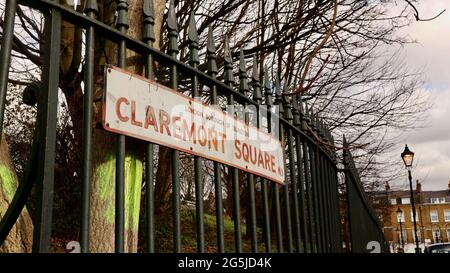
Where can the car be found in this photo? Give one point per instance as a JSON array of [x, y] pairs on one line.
[[438, 248]]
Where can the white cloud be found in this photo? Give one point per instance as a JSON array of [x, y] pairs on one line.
[[431, 144]]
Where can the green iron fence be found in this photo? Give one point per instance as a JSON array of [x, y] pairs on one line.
[[364, 225], [303, 215]]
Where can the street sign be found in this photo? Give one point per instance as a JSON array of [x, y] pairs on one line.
[[140, 108]]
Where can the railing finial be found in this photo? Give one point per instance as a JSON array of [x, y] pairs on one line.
[[211, 52], [90, 6], [228, 62], [255, 81], [149, 21], [122, 14], [267, 87], [193, 40], [243, 87], [173, 29]]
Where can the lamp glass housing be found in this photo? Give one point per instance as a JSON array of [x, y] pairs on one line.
[[407, 157]]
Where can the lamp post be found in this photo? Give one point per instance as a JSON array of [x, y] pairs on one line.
[[399, 217], [408, 157]]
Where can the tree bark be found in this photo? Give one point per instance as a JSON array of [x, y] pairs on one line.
[[103, 180], [21, 235]]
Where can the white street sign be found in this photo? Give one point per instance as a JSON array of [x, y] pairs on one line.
[[140, 108]]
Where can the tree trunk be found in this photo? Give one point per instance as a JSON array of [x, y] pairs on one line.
[[104, 148], [102, 198], [20, 237]]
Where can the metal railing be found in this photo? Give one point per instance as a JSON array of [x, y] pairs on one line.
[[365, 229], [303, 214]]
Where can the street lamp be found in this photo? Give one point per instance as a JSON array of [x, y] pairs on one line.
[[408, 157], [399, 217]]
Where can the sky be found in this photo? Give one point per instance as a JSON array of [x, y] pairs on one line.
[[431, 143]]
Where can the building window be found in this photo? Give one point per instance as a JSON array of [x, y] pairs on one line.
[[418, 236], [436, 235], [447, 215], [402, 218], [434, 216], [417, 216], [404, 237], [437, 200], [393, 201], [406, 201]]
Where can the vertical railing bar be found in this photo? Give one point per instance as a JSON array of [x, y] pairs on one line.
[[47, 119], [328, 197], [319, 201], [149, 38], [294, 181], [308, 166], [122, 26], [309, 197], [212, 70], [194, 61], [236, 210], [264, 189], [325, 204], [333, 209], [257, 97], [90, 10], [243, 88], [5, 54], [313, 167], [300, 172], [287, 207], [234, 172], [320, 198], [173, 52], [335, 221], [253, 234], [337, 204], [302, 201]]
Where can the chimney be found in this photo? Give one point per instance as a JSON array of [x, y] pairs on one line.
[[449, 184], [418, 186], [388, 188]]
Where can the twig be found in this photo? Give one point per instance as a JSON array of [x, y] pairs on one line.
[[416, 15]]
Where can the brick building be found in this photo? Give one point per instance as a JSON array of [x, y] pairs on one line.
[[433, 216]]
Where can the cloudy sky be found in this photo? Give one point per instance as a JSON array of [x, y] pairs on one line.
[[431, 144]]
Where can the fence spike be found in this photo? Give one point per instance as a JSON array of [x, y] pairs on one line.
[[313, 120], [295, 111], [173, 29], [267, 87], [149, 21], [278, 96], [228, 67], [243, 83], [193, 40], [287, 106], [307, 116], [192, 34], [211, 52], [90, 5], [257, 96], [122, 14], [322, 128]]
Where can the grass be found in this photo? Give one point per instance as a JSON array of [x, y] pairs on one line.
[[189, 234]]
